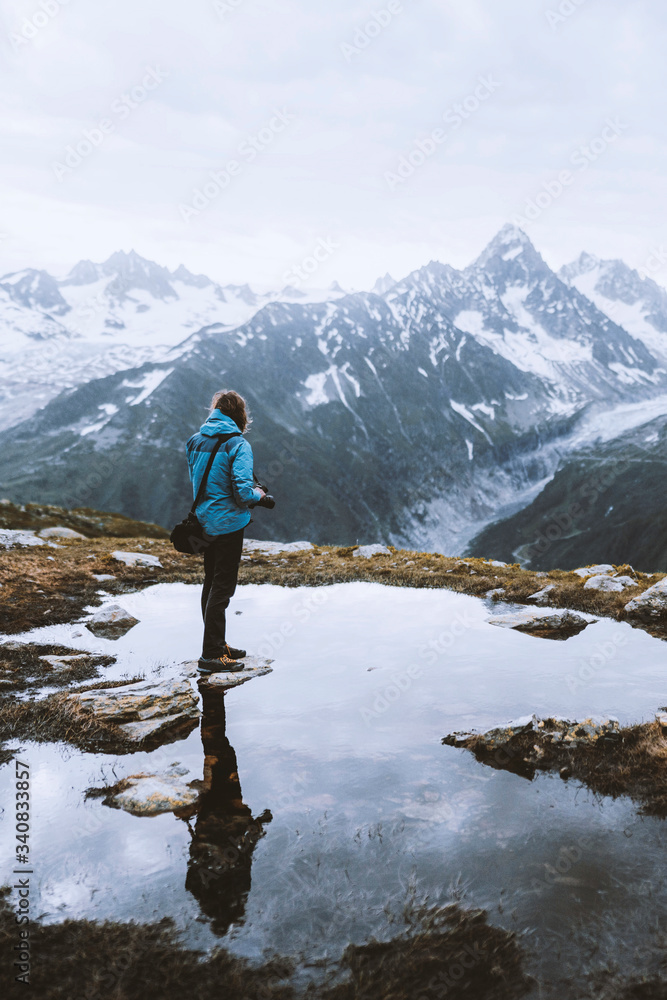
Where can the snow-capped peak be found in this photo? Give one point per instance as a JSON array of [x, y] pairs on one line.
[[509, 244], [383, 285]]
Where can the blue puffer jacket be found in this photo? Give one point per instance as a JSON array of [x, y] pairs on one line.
[[230, 488]]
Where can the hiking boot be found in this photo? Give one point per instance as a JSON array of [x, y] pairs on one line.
[[219, 665], [236, 654]]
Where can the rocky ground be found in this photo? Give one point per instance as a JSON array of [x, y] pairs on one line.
[[49, 580], [52, 567]]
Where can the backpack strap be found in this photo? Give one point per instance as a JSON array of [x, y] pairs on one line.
[[202, 486]]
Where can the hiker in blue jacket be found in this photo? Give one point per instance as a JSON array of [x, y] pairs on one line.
[[224, 514]]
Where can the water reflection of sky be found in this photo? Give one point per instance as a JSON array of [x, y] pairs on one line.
[[342, 744]]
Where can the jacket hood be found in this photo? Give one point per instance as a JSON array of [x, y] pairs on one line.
[[218, 423]]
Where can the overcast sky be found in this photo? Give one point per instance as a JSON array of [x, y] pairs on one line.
[[114, 112]]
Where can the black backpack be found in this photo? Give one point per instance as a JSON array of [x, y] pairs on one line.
[[188, 536]]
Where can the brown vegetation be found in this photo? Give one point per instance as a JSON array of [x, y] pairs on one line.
[[634, 764], [56, 719], [23, 668], [451, 950], [43, 586]]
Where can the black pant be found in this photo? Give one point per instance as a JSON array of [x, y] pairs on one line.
[[221, 570]]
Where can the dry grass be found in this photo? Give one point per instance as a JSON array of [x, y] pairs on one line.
[[57, 719], [22, 669], [43, 586], [635, 764]]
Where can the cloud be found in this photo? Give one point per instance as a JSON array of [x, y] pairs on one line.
[[230, 68]]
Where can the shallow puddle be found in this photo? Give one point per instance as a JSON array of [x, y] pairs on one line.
[[341, 743]]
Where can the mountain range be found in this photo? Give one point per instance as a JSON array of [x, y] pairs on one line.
[[417, 413]]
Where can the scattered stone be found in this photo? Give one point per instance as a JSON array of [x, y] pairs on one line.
[[661, 719], [555, 625], [252, 545], [255, 666], [651, 604], [61, 532], [497, 592], [599, 570], [368, 551], [627, 581], [10, 539], [146, 794], [542, 596], [144, 709], [137, 559], [111, 622], [496, 562], [608, 584], [103, 577]]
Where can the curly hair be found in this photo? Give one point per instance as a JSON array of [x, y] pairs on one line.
[[234, 406]]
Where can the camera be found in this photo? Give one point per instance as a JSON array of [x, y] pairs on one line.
[[267, 501]]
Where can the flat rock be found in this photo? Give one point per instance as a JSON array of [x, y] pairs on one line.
[[565, 732], [650, 605], [10, 539], [59, 531], [255, 666], [368, 551], [607, 584], [496, 592], [58, 662], [137, 559], [147, 794], [111, 622], [553, 625], [253, 545], [103, 577], [542, 596], [144, 709], [599, 570]]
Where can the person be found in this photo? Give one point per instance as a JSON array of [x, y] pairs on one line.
[[224, 515]]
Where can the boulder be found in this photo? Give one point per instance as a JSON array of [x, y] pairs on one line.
[[496, 592], [111, 622], [144, 709], [61, 532], [607, 584], [601, 569], [650, 605], [552, 731], [137, 559], [255, 666], [147, 794], [368, 551], [554, 625], [252, 545]]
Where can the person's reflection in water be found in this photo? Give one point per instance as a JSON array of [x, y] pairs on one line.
[[224, 834]]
